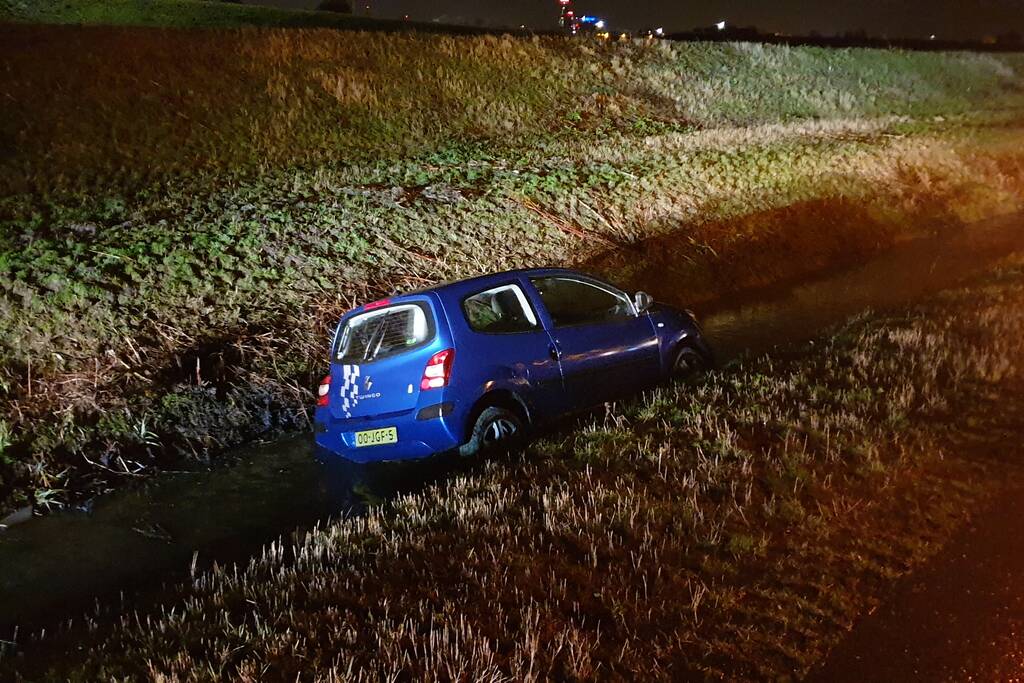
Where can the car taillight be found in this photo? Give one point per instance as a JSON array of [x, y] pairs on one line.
[[324, 392], [438, 370]]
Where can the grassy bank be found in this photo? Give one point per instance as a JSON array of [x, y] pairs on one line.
[[251, 100], [181, 14], [177, 240], [733, 528]]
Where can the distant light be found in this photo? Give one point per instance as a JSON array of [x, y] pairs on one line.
[[599, 24], [931, 37], [659, 31], [720, 25]]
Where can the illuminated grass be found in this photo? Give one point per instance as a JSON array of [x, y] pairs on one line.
[[249, 100], [176, 241], [733, 528]]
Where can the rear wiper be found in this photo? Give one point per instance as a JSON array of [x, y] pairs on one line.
[[378, 334]]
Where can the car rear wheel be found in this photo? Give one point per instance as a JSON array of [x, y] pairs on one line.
[[494, 428], [688, 364]]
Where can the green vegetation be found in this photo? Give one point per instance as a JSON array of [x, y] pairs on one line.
[[177, 238], [248, 101], [177, 13], [730, 529]]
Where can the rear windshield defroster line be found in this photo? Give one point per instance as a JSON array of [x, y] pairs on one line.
[[384, 332]]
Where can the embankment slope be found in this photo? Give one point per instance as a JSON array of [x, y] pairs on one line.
[[179, 236]]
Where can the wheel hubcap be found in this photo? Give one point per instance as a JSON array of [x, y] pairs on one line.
[[687, 364], [499, 430]]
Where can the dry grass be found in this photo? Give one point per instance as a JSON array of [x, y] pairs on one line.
[[731, 529]]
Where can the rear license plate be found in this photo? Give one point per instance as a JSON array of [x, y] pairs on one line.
[[377, 437]]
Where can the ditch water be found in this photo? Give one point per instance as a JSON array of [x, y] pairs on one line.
[[127, 544]]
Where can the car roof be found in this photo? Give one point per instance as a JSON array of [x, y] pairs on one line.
[[479, 282]]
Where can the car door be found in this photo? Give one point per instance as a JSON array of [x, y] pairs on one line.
[[509, 346], [604, 347]]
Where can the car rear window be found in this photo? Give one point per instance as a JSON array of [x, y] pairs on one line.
[[384, 332], [499, 310]]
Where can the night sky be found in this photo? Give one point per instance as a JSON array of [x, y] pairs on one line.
[[892, 18]]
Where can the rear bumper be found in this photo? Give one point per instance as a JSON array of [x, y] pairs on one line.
[[416, 438]]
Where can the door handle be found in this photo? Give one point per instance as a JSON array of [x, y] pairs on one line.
[[554, 352]]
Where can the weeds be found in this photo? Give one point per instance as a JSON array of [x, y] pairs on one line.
[[5, 441]]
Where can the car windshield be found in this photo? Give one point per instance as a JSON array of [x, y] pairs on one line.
[[382, 333]]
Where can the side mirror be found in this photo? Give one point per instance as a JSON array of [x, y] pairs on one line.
[[643, 301]]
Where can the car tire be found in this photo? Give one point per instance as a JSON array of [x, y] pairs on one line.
[[494, 428], [688, 364]]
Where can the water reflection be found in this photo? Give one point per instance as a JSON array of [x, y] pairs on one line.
[[137, 539]]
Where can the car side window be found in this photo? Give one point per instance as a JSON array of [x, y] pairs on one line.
[[576, 302], [500, 310]]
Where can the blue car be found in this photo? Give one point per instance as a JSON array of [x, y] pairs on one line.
[[469, 364]]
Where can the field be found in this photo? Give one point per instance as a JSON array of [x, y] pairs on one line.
[[181, 14], [732, 529], [178, 238]]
